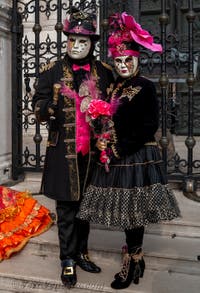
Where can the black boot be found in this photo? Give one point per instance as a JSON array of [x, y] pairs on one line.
[[84, 262], [139, 266], [132, 269], [68, 275]]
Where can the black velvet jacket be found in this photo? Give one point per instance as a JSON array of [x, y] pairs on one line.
[[137, 117], [65, 171]]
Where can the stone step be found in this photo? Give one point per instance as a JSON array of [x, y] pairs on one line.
[[170, 249], [171, 229], [178, 254], [28, 272], [172, 246]]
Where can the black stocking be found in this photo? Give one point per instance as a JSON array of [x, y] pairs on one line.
[[134, 239]]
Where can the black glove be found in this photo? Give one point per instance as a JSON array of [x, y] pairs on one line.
[[52, 109]]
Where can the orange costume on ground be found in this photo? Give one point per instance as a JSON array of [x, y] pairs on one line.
[[21, 217]]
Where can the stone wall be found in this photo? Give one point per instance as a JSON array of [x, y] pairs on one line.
[[5, 92]]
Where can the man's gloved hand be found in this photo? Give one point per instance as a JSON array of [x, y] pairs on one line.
[[52, 109]]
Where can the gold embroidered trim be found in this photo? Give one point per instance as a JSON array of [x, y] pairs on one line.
[[134, 164], [109, 90], [27, 221], [153, 143], [68, 76], [70, 156], [70, 119], [113, 146], [74, 177], [115, 91], [130, 92], [47, 66], [87, 171], [137, 256], [70, 123], [68, 140], [68, 109], [137, 188], [8, 213], [115, 151], [106, 65], [125, 266]]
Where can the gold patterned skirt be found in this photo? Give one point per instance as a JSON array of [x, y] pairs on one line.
[[133, 193]]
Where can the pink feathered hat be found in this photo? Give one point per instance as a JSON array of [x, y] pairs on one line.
[[126, 35]]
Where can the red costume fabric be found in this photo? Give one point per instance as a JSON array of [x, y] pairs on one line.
[[21, 217]]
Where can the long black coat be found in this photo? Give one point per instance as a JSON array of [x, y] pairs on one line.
[[64, 177]]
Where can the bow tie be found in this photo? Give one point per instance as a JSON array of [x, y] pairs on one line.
[[85, 67]]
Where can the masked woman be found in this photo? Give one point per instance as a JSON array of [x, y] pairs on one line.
[[134, 192]]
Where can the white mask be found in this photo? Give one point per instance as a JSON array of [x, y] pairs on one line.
[[78, 47], [126, 66]]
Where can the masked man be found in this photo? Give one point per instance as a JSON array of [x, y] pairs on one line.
[[68, 154]]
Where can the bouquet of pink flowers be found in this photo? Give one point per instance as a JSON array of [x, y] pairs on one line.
[[99, 114], [98, 108]]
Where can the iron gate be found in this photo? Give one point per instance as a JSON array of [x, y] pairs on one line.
[[38, 40]]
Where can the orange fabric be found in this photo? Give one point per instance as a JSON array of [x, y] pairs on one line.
[[21, 217]]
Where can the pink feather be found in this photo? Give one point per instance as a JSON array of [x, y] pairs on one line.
[[66, 91], [114, 104], [82, 130], [91, 84], [82, 127]]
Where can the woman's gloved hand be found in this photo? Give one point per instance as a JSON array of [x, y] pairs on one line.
[[101, 144]]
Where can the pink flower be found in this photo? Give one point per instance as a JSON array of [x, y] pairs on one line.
[[66, 25], [97, 108], [138, 34], [115, 21], [103, 157]]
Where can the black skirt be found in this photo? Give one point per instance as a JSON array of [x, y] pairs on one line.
[[133, 193]]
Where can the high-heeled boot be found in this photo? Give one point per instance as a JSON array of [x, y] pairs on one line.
[[132, 269]]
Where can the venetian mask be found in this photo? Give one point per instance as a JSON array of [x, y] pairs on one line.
[[126, 66], [78, 46]]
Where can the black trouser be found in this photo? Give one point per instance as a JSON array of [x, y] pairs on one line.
[[72, 232], [134, 239]]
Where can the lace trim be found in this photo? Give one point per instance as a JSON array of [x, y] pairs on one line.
[[125, 266]]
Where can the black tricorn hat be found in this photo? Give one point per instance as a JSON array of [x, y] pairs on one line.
[[81, 23]]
